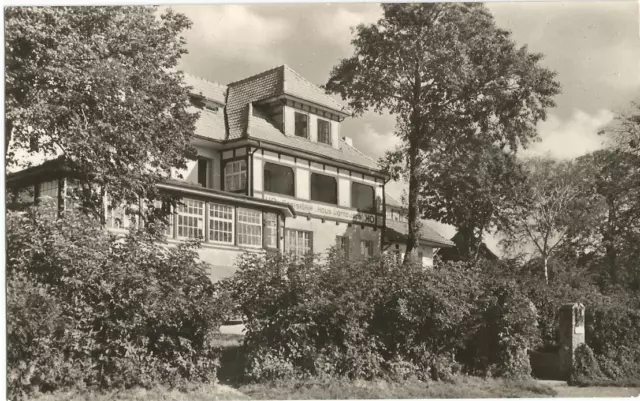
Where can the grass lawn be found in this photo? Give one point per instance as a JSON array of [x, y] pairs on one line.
[[461, 388]]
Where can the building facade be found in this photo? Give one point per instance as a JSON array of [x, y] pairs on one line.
[[273, 172]]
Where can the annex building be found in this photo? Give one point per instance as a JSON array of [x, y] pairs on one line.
[[274, 171]]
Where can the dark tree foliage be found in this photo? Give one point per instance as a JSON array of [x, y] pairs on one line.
[[98, 87], [448, 74], [469, 190], [85, 308]]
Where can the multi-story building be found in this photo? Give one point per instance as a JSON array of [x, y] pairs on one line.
[[273, 171]]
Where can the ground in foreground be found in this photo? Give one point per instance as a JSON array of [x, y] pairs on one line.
[[464, 387]]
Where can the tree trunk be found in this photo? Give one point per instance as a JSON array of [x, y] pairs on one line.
[[546, 269], [609, 241], [415, 132], [8, 128], [413, 212]]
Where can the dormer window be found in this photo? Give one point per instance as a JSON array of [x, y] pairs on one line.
[[324, 131], [302, 125]]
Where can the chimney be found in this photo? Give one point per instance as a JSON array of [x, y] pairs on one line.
[[348, 140]]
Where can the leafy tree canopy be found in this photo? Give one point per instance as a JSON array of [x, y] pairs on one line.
[[449, 74], [469, 190], [97, 86]]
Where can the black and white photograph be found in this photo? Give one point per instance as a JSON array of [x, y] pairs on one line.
[[272, 201]]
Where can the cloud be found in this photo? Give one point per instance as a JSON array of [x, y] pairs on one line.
[[375, 143], [572, 138], [336, 26], [235, 32]]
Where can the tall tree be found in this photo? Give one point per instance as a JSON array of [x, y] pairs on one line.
[[544, 210], [97, 86], [447, 73], [469, 189], [611, 193]]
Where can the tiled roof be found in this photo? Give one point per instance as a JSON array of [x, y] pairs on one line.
[[397, 231], [259, 87], [272, 83], [296, 85], [239, 98], [261, 128], [210, 90], [211, 125]]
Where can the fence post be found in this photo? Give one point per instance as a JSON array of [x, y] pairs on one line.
[[571, 330]]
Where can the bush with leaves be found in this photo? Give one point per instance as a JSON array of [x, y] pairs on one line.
[[375, 318], [87, 308]]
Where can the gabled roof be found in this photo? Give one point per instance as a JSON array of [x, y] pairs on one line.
[[391, 201], [396, 231], [209, 90], [270, 84], [298, 86]]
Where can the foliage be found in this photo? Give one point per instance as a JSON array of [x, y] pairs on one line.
[[97, 86], [449, 75], [374, 318], [543, 210], [89, 309], [468, 189], [585, 366]]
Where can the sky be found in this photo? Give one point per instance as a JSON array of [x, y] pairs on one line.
[[593, 46]]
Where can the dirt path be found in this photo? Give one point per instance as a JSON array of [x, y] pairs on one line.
[[565, 391]]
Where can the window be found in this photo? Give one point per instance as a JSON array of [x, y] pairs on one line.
[[324, 131], [302, 125], [221, 223], [168, 209], [420, 256], [203, 169], [24, 195], [362, 197], [278, 179], [366, 248], [342, 245], [298, 242], [324, 188], [191, 219], [235, 175], [49, 190], [270, 230], [121, 218], [249, 227]]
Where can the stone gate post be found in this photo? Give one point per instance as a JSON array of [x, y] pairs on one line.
[[571, 330]]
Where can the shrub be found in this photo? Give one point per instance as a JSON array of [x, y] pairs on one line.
[[375, 318], [585, 366], [87, 308]]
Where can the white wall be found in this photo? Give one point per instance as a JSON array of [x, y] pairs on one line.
[[190, 173], [302, 170], [427, 257]]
